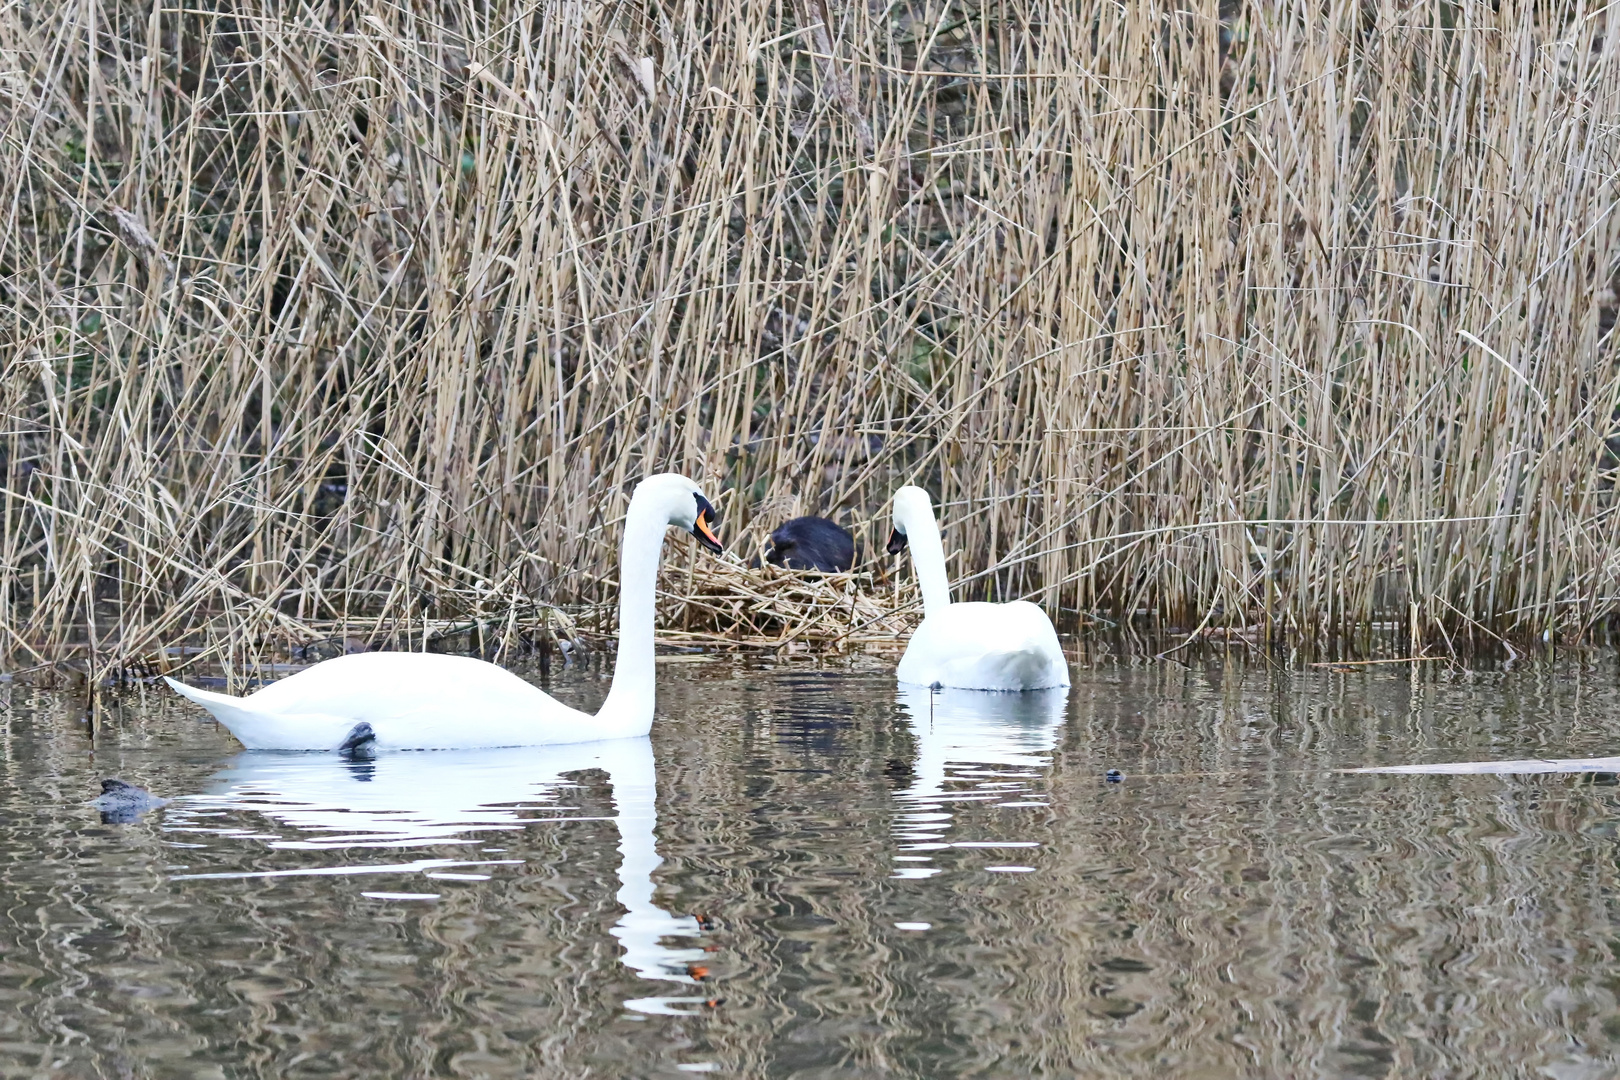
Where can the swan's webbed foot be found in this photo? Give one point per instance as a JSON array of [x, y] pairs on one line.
[[361, 742]]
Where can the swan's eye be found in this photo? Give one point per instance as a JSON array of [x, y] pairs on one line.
[[897, 542], [703, 524]]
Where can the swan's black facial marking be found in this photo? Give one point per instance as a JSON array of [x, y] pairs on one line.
[[703, 524], [897, 542]]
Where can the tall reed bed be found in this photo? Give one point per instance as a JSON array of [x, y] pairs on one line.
[[1287, 313]]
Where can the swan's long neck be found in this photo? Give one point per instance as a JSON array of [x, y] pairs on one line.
[[928, 556], [628, 709]]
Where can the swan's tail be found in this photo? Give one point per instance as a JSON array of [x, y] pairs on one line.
[[225, 708]]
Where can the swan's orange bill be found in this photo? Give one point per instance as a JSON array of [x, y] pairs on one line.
[[707, 533], [703, 525]]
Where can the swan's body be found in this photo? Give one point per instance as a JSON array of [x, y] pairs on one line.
[[983, 646], [971, 646], [427, 701], [812, 543], [413, 701]]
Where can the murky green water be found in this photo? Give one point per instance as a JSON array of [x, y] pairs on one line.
[[806, 873]]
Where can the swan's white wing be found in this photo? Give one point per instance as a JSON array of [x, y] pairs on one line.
[[986, 647], [396, 684], [413, 701]]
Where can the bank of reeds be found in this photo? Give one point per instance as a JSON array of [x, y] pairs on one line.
[[1293, 315]]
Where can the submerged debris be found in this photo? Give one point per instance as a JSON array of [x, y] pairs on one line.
[[121, 802], [361, 742]]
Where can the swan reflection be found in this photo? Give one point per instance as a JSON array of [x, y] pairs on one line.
[[972, 746], [455, 797]]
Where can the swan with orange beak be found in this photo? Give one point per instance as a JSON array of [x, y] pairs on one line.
[[432, 701]]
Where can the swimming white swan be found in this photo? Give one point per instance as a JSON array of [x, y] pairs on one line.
[[430, 701], [972, 646]]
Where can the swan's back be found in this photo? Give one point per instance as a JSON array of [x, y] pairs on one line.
[[413, 701], [983, 646], [398, 682]]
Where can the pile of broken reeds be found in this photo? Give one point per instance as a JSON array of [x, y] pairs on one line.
[[724, 603]]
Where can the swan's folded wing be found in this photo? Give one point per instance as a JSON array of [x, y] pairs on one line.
[[391, 685], [986, 646], [415, 701]]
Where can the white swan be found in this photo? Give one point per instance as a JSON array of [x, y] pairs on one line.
[[430, 701], [972, 646]]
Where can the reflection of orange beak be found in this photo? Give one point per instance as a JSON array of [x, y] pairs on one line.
[[705, 533]]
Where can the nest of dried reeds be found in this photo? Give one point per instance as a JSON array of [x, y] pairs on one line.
[[715, 603]]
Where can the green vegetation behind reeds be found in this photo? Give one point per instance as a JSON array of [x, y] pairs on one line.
[[1295, 313]]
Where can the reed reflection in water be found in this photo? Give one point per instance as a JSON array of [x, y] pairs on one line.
[[1238, 906]]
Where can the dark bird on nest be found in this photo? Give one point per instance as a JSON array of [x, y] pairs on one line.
[[812, 543]]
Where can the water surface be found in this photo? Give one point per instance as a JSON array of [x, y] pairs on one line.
[[809, 872]]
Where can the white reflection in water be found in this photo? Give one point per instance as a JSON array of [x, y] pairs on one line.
[[404, 800], [1521, 767], [972, 746]]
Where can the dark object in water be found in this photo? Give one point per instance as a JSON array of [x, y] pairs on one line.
[[812, 543], [1114, 776], [361, 742], [121, 803]]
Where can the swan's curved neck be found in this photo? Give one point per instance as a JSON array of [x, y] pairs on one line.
[[628, 710], [928, 556]]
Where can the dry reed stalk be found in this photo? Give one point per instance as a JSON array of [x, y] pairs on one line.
[[1292, 314]]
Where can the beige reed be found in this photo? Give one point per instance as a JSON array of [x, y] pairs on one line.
[[1292, 315]]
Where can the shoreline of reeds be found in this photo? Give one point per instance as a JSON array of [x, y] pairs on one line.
[[1296, 317], [766, 614]]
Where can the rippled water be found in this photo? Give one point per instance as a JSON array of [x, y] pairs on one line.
[[806, 872]]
